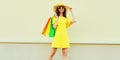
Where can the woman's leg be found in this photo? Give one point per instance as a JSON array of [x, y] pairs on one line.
[[64, 53], [52, 53]]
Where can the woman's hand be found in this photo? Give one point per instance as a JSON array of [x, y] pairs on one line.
[[56, 16], [73, 18], [70, 9], [56, 22]]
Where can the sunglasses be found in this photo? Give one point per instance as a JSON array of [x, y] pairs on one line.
[[61, 7]]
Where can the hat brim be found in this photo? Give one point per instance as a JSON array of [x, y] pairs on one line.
[[55, 7]]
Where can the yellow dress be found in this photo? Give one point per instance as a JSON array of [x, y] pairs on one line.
[[61, 37]]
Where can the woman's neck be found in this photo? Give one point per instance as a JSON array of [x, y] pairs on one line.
[[61, 14]]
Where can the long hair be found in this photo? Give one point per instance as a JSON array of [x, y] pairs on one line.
[[58, 13]]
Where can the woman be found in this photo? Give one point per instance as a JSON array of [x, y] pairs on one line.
[[60, 23]]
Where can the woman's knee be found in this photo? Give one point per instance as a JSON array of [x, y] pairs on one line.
[[64, 51], [53, 52]]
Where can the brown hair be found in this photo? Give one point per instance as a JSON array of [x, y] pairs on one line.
[[58, 13]]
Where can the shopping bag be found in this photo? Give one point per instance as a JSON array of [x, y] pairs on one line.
[[48, 29]]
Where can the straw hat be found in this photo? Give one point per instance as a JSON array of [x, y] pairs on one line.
[[60, 4]]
